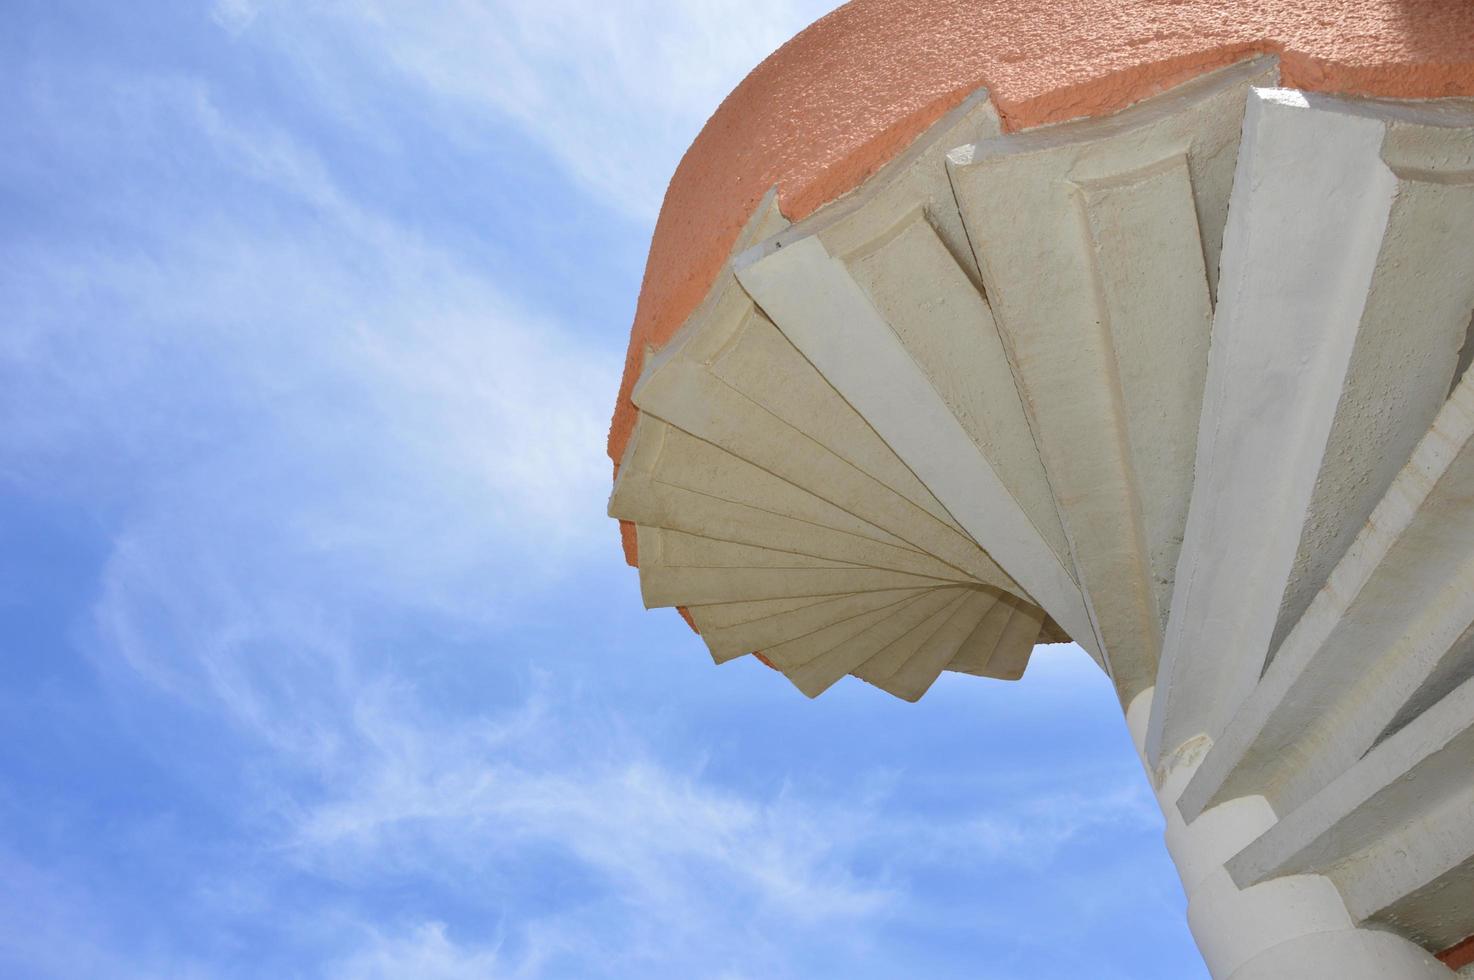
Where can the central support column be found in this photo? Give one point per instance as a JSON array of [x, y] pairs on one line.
[[1296, 926]]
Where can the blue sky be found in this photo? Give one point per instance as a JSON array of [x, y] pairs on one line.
[[320, 656]]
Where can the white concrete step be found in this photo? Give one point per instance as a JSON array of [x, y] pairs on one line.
[[819, 674], [762, 634], [690, 397], [1120, 380], [1398, 610], [700, 489], [1095, 240], [889, 660], [917, 674], [1345, 296], [1394, 831]]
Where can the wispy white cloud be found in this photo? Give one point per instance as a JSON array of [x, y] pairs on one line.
[[304, 422], [424, 952], [324, 422], [677, 871], [51, 926], [683, 875], [615, 91], [334, 340], [234, 15]]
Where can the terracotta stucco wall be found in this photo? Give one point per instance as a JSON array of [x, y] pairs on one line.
[[850, 92]]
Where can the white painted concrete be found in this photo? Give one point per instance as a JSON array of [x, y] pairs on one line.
[[726, 642], [1306, 221], [944, 323], [1292, 926], [823, 311], [1362, 954], [1394, 612], [1395, 822], [758, 361], [885, 662], [976, 653], [1001, 644], [716, 413], [803, 650], [1090, 248], [660, 547], [918, 673], [964, 411], [701, 489], [817, 675], [1413, 325]]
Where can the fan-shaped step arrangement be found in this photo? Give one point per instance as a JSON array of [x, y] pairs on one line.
[[1153, 382], [774, 512], [1042, 371], [857, 575], [1186, 384], [1098, 245]]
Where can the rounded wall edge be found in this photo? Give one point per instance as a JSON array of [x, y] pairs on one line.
[[852, 91]]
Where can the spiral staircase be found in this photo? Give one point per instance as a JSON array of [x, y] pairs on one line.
[[1185, 385]]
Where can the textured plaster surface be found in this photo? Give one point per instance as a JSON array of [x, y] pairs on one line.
[[852, 91], [1295, 925], [812, 477], [1301, 248], [1093, 240]]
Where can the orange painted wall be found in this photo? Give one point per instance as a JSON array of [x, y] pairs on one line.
[[1459, 956], [850, 92]]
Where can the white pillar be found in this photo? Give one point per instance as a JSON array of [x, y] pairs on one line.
[[1291, 927]]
